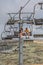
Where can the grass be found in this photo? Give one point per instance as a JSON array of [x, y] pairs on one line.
[[32, 54]]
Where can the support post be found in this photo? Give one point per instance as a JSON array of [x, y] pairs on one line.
[[20, 42], [21, 51]]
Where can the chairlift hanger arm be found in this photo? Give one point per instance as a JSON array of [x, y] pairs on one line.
[[25, 4], [19, 10], [36, 5], [22, 7]]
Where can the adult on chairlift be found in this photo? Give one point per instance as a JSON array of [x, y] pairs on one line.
[[27, 32], [21, 33]]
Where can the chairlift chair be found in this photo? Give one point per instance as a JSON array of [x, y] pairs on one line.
[[38, 21], [7, 36], [38, 24], [10, 22]]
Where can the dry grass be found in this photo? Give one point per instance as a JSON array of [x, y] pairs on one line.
[[32, 54]]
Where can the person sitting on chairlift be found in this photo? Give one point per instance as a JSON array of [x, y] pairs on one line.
[[21, 32], [27, 32]]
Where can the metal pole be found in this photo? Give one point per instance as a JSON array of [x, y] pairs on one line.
[[20, 42], [21, 39], [21, 51]]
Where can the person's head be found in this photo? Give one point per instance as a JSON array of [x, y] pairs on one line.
[[26, 28], [21, 29]]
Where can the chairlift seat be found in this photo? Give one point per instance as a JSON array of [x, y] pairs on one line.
[[13, 36], [5, 38], [38, 35], [10, 22], [39, 21], [16, 34]]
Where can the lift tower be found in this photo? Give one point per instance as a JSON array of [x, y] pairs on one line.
[[21, 39]]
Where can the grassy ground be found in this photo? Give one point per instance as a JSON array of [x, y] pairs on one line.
[[32, 54]]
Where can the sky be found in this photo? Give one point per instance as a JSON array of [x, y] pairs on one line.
[[7, 6]]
